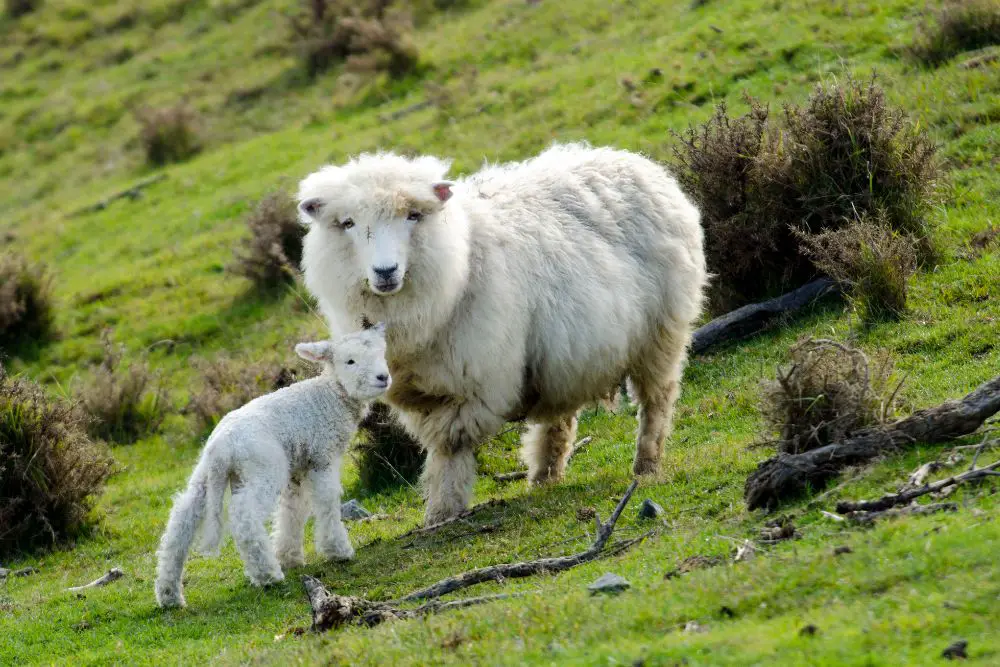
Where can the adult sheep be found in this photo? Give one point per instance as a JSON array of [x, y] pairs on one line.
[[523, 291]]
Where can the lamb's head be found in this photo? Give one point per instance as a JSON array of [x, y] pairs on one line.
[[372, 211], [357, 360]]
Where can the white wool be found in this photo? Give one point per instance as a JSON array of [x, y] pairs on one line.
[[531, 291], [277, 451]]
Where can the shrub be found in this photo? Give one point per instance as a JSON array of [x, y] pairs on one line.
[[227, 384], [388, 455], [49, 469], [872, 261], [272, 254], [124, 402], [18, 8], [829, 391], [369, 35], [25, 303], [168, 134], [758, 181], [956, 26]]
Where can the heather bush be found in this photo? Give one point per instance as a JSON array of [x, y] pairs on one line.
[[956, 26], [25, 304], [271, 254], [168, 134]]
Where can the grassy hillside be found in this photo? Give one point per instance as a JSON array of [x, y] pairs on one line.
[[503, 78]]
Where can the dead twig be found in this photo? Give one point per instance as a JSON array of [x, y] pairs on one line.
[[330, 610], [133, 192], [867, 518], [424, 530], [523, 474], [114, 574]]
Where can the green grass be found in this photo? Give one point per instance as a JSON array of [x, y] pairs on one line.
[[517, 76]]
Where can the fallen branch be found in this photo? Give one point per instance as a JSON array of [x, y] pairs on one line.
[[522, 474], [114, 574], [330, 610], [133, 192], [866, 518], [424, 530], [755, 317], [787, 475]]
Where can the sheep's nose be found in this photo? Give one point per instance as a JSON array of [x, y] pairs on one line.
[[382, 378], [386, 272]]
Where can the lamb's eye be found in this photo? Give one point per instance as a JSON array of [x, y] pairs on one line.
[[415, 216], [350, 362], [346, 223]]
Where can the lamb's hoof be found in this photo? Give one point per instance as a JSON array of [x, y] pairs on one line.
[[438, 515], [290, 559], [646, 466], [170, 599], [265, 580]]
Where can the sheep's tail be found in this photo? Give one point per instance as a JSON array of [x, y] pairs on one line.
[[185, 516]]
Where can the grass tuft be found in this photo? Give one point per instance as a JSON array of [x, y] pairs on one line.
[[271, 255], [168, 134], [26, 316], [125, 402], [50, 471], [828, 391], [954, 27]]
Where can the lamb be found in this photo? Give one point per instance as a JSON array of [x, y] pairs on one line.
[[269, 451], [524, 291]]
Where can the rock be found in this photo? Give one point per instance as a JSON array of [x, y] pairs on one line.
[[609, 583], [649, 510], [808, 631], [956, 651], [352, 511], [840, 551]]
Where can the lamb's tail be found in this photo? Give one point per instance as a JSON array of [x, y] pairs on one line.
[[186, 515], [211, 529]]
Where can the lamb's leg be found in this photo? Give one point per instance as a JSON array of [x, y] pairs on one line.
[[253, 502], [450, 434], [289, 525], [546, 447], [656, 384], [329, 531]]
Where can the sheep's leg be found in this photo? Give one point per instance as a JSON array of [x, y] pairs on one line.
[[450, 434], [329, 531], [253, 502], [546, 447], [289, 526], [656, 386]]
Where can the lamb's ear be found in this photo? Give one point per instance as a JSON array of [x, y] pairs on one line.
[[310, 209], [317, 352], [442, 190]]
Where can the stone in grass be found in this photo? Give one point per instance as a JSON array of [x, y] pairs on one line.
[[352, 511], [649, 510], [956, 651], [609, 583]]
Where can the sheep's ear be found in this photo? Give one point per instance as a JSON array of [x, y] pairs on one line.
[[310, 209], [317, 352], [442, 190], [380, 328]]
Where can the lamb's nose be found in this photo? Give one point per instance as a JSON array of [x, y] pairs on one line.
[[382, 378], [386, 272]]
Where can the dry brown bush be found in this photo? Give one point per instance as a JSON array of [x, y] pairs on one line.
[[872, 261], [49, 469], [25, 304], [272, 254], [758, 181], [956, 26], [125, 400], [168, 134], [828, 391], [369, 35]]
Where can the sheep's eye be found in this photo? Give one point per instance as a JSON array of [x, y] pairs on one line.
[[346, 223], [415, 216], [350, 362]]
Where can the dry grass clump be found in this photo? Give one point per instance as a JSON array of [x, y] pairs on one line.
[[49, 469], [872, 261], [168, 134], [25, 303], [369, 35], [956, 26], [125, 400], [228, 383], [18, 8], [272, 254], [762, 183], [387, 454], [829, 391]]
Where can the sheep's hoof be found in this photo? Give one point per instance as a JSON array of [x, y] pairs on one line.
[[646, 466], [266, 580], [291, 560], [543, 477]]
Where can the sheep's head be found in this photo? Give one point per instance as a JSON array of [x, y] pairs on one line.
[[372, 210], [357, 360]]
